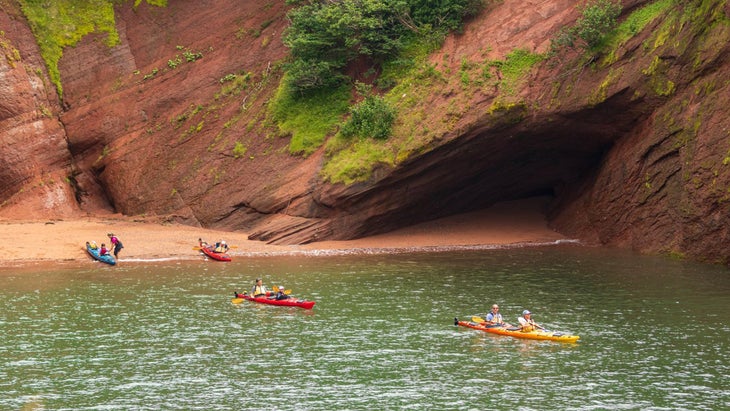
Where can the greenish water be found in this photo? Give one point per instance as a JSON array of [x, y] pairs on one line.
[[149, 336]]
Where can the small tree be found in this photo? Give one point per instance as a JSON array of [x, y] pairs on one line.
[[597, 20]]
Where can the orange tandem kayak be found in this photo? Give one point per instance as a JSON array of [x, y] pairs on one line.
[[515, 332]]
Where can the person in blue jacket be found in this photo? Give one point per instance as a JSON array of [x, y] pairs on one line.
[[494, 318]]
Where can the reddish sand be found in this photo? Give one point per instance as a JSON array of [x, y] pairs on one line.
[[34, 242]]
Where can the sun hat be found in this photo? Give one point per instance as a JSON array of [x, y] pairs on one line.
[[526, 312]]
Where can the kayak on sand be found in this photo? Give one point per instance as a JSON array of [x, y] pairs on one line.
[[517, 333], [216, 256], [289, 302], [94, 252]]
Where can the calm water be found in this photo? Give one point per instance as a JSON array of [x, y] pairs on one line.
[[150, 336]]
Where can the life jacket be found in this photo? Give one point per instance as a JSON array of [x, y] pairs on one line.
[[527, 325], [496, 318]]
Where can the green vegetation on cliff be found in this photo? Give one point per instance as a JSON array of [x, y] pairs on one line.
[[59, 24], [310, 118], [325, 37], [327, 40]]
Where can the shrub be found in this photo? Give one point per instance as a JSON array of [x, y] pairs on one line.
[[239, 150], [372, 117], [306, 75], [596, 21]]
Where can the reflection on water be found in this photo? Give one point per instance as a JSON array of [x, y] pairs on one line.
[[165, 336]]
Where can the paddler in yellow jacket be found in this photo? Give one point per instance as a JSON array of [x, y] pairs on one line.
[[258, 289], [526, 322]]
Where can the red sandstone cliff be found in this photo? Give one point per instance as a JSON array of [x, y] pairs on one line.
[[629, 162]]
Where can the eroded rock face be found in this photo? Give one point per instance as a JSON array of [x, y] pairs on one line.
[[665, 186], [635, 152], [34, 159]]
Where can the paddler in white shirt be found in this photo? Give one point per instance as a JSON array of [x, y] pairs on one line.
[[526, 322]]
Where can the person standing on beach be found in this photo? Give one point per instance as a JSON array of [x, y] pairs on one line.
[[116, 244]]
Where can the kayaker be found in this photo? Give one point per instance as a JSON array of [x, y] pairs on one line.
[[221, 247], [116, 244], [526, 322], [495, 318], [103, 250], [258, 289], [280, 295]]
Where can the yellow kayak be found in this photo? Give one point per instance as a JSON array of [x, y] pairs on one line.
[[517, 333]]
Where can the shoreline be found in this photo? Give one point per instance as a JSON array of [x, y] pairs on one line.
[[62, 241]]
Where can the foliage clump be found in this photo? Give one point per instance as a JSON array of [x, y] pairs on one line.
[[307, 119], [325, 36], [372, 117], [597, 19]]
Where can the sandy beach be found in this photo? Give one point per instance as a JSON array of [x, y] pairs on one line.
[[54, 241]]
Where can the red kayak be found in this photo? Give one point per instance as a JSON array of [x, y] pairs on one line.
[[216, 256], [289, 302]]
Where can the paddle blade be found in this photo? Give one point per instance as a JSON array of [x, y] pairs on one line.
[[236, 300], [287, 292], [275, 289], [197, 248], [479, 320]]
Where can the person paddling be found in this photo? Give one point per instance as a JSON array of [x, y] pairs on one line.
[[494, 318], [280, 294], [258, 289], [527, 323], [221, 247]]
